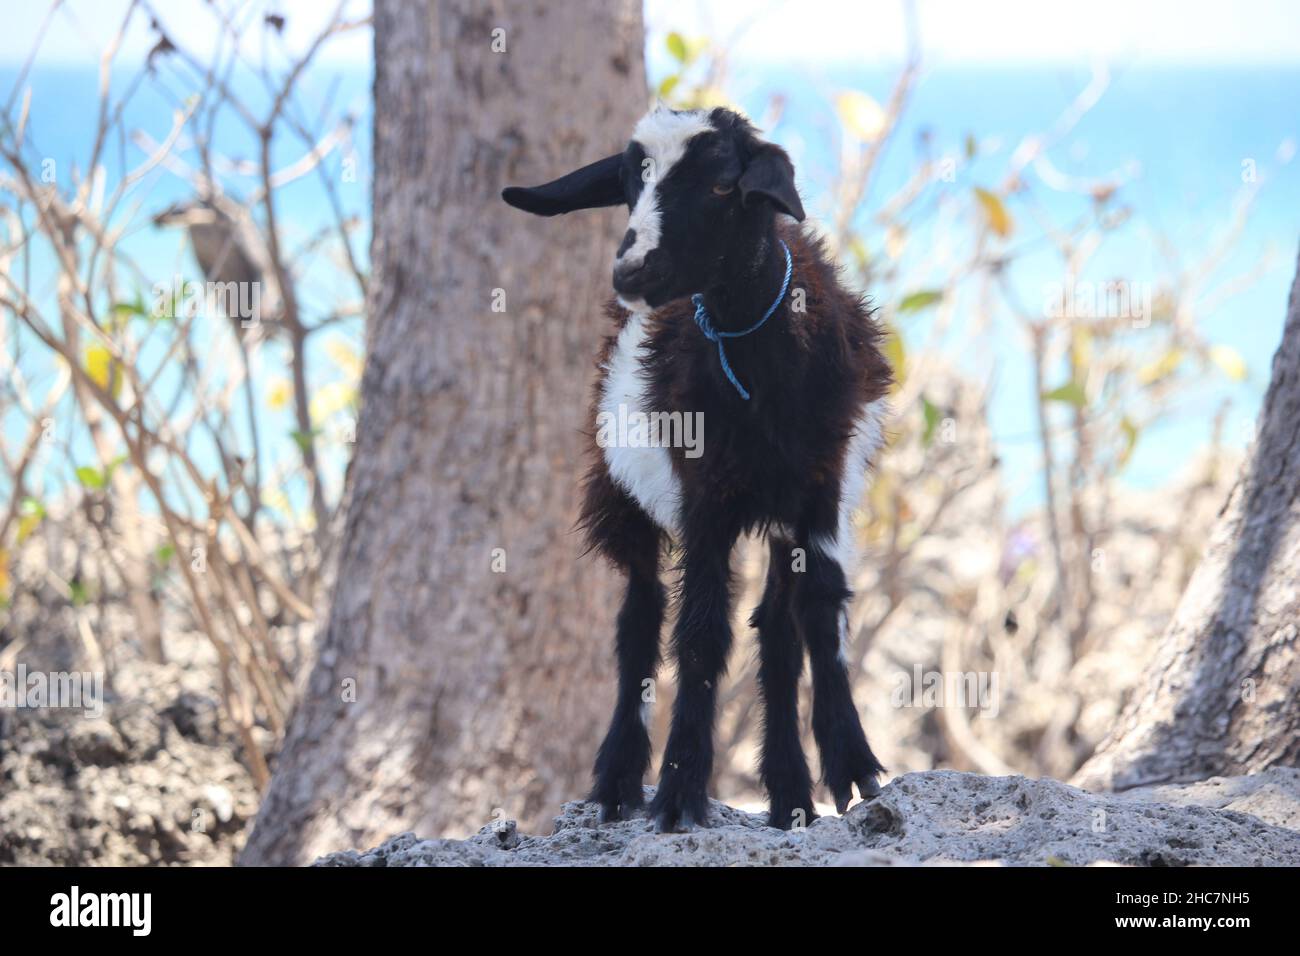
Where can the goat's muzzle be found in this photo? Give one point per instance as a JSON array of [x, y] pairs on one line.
[[640, 279]]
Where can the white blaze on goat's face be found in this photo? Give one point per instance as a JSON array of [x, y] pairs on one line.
[[699, 187], [664, 135]]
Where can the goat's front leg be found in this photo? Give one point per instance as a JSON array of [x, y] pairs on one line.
[[821, 603], [624, 756], [782, 765], [701, 640]]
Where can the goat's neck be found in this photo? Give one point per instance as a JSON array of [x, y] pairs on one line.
[[751, 278]]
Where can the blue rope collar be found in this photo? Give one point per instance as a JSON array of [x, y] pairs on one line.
[[705, 323]]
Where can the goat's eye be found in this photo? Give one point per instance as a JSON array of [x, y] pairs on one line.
[[722, 189]]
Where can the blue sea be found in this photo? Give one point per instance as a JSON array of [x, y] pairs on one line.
[[1180, 137], [1183, 139]]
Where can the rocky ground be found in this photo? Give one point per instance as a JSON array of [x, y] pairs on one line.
[[156, 781], [933, 817], [160, 777]]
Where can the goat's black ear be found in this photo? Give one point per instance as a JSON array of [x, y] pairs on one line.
[[587, 188], [770, 176]]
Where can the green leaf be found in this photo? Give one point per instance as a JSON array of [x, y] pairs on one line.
[[972, 146], [80, 594], [932, 418], [669, 84], [676, 44], [919, 300], [124, 310], [30, 514], [112, 467], [304, 439], [165, 553], [1071, 393], [31, 506], [91, 477]]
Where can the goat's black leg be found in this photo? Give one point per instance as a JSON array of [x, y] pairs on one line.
[[701, 640], [624, 756], [782, 765], [628, 537], [821, 601]]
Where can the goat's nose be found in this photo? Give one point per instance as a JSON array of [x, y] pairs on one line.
[[625, 274], [629, 237]]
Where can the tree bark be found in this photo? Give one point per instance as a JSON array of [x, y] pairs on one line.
[[1222, 695], [483, 677]]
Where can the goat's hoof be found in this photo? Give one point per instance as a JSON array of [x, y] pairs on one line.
[[668, 822], [868, 789], [613, 812], [793, 816], [674, 813]]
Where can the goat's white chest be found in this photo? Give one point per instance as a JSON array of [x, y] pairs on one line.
[[644, 472]]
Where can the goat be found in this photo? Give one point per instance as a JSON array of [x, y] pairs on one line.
[[794, 403]]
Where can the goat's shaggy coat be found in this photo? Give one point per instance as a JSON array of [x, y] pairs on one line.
[[790, 462]]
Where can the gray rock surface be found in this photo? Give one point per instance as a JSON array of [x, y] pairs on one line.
[[935, 817], [155, 781]]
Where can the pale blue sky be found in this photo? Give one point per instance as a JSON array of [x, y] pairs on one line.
[[1001, 32], [956, 31]]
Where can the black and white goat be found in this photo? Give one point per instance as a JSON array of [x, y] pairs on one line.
[[793, 409]]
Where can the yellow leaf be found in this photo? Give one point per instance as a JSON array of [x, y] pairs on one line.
[[861, 257], [26, 525], [896, 353], [863, 118], [1162, 368], [880, 499], [709, 97], [1230, 360], [277, 397], [103, 371], [345, 357], [1130, 431], [1081, 352], [676, 44], [275, 498], [995, 213], [685, 50], [895, 240], [331, 398]]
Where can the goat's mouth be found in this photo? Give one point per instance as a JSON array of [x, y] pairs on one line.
[[645, 283]]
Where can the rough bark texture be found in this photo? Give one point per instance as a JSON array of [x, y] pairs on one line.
[[481, 688], [1223, 693]]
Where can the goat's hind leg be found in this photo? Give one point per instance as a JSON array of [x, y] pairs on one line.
[[624, 756], [822, 606], [782, 765]]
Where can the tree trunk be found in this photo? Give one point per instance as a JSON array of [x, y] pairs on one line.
[[478, 643], [1223, 693]]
